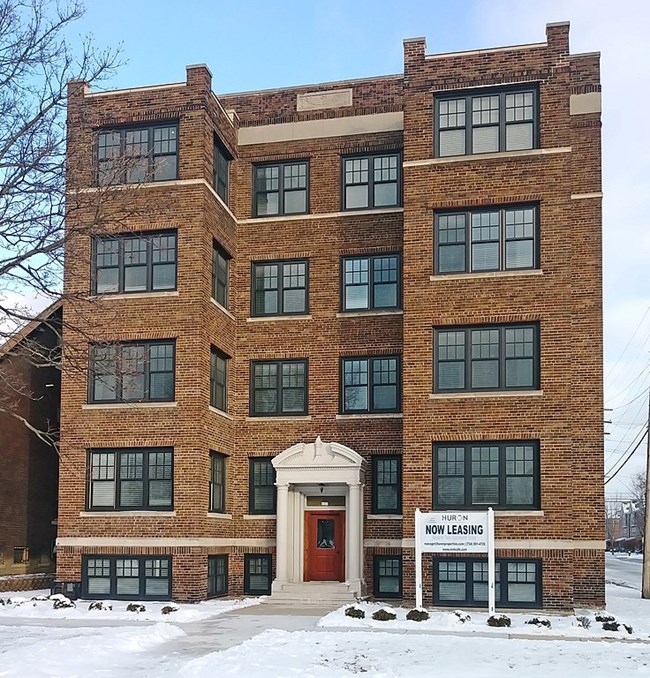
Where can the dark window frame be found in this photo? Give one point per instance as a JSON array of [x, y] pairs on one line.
[[215, 386], [467, 330], [376, 561], [371, 180], [280, 164], [219, 254], [502, 569], [468, 95], [370, 385], [147, 237], [502, 241], [113, 595], [252, 509], [215, 558], [371, 282], [375, 508], [467, 475], [280, 263], [146, 480], [119, 373], [123, 130], [223, 460], [279, 411], [248, 557], [221, 178]]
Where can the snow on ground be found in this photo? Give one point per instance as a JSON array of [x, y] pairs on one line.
[[22, 604], [279, 654]]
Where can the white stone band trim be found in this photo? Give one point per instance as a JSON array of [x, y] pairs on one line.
[[487, 156], [221, 413], [383, 516], [580, 104], [484, 394], [127, 514], [482, 276], [512, 544], [125, 406], [223, 309], [219, 516], [319, 129], [586, 196], [365, 314], [278, 317], [382, 415], [323, 215], [261, 516], [99, 542], [136, 295]]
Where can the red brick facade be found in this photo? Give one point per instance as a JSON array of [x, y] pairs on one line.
[[561, 175]]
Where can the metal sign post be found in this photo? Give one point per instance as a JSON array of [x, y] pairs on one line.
[[455, 532]]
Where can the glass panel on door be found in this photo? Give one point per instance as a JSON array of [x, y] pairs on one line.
[[325, 534]]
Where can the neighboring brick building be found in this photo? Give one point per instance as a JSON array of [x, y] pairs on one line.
[[331, 305], [30, 388]]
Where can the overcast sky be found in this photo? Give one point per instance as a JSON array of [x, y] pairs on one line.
[[254, 44]]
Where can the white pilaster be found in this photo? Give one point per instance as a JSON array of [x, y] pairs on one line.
[[282, 534], [355, 509]]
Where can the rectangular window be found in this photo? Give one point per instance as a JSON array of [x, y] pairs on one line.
[[371, 283], [126, 577], [136, 155], [132, 372], [464, 581], [144, 262], [280, 288], [498, 358], [370, 385], [278, 388], [217, 576], [500, 239], [221, 166], [387, 581], [504, 475], [486, 122], [280, 188], [219, 380], [130, 479], [220, 275], [217, 483], [372, 181], [261, 487], [387, 484], [257, 574]]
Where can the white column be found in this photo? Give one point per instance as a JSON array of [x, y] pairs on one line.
[[354, 526], [282, 534]]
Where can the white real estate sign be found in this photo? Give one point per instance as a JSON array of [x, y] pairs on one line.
[[454, 532]]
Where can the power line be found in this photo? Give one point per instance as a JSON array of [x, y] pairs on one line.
[[621, 461], [644, 392], [638, 327], [628, 458]]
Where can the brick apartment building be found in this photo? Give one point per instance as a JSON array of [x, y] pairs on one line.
[[334, 304], [30, 387]]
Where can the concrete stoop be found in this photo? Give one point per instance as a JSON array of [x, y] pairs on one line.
[[314, 593]]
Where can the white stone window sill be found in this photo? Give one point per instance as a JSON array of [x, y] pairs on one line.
[[485, 394], [533, 513], [261, 516], [127, 406], [278, 317], [322, 215], [358, 314], [281, 418], [136, 295], [501, 155], [126, 514], [219, 516], [440, 277], [221, 413], [373, 415], [223, 309], [384, 516]]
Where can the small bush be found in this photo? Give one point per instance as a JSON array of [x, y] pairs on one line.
[[2, 601], [134, 607], [40, 598], [604, 617], [611, 626], [168, 609], [384, 615], [355, 613], [100, 605], [583, 622], [499, 620], [539, 621], [60, 602], [417, 615], [463, 617], [628, 628]]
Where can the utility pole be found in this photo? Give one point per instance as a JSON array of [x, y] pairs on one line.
[[645, 589]]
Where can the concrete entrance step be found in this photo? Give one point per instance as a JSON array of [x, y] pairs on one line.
[[314, 593]]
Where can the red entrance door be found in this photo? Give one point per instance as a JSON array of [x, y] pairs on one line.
[[324, 545]]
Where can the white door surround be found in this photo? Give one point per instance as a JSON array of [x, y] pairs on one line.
[[317, 469]]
